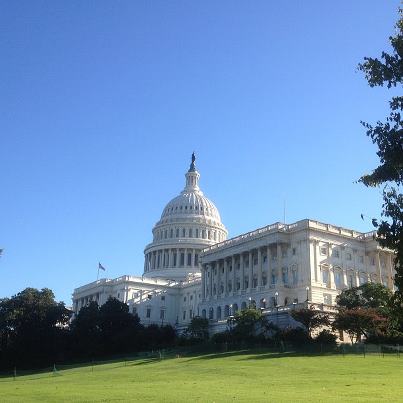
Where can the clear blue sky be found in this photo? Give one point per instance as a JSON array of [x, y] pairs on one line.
[[102, 103]]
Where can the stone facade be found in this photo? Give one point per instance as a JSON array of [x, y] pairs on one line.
[[191, 269]]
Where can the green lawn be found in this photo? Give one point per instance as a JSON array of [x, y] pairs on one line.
[[248, 377]]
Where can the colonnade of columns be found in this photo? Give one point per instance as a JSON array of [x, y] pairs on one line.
[[356, 273], [171, 258], [256, 269]]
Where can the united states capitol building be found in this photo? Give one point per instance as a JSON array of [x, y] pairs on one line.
[[192, 269]]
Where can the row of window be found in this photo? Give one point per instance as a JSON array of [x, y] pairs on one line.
[[351, 279], [203, 210], [348, 256], [285, 278], [163, 260], [189, 233], [218, 313]]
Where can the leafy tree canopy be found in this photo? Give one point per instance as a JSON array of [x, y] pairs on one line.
[[310, 318], [388, 137], [368, 295]]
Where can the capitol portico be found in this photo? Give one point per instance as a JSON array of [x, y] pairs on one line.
[[192, 269]]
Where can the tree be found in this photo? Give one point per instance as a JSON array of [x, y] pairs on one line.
[[119, 329], [368, 295], [33, 327], [311, 319], [85, 331], [358, 322], [198, 328], [377, 297], [246, 323], [388, 137]]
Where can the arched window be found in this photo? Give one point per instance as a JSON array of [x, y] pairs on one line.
[[243, 305], [204, 314], [226, 311], [218, 313], [234, 309], [211, 313]]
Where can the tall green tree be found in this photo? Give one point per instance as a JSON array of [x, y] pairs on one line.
[[388, 137], [33, 327], [311, 319]]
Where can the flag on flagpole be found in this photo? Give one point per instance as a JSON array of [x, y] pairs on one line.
[[101, 267]]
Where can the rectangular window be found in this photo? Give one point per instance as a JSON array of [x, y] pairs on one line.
[[162, 297], [348, 256], [189, 259], [177, 232], [294, 251], [182, 262], [325, 276], [148, 313], [327, 299], [323, 250], [184, 315], [197, 232], [196, 259], [336, 253], [190, 233], [190, 314]]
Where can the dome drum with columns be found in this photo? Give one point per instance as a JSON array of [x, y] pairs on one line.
[[189, 223]]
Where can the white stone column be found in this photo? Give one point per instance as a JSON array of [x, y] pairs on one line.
[[193, 257], [171, 258], [378, 267], [315, 259], [269, 267], [357, 278], [250, 270], [226, 264], [178, 257], [185, 260], [211, 278], [219, 277], [331, 276], [280, 265], [233, 275], [241, 262], [345, 280], [259, 267], [203, 284]]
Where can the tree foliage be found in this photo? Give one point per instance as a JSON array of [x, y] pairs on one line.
[[368, 295], [246, 323], [198, 328], [388, 137], [310, 319], [358, 322], [33, 327]]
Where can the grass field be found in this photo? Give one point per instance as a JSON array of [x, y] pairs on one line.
[[247, 376]]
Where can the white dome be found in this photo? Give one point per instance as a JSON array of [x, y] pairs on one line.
[[191, 204], [189, 223]]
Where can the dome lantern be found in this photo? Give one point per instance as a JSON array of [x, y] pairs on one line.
[[192, 177]]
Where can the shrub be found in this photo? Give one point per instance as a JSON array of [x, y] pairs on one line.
[[326, 337]]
